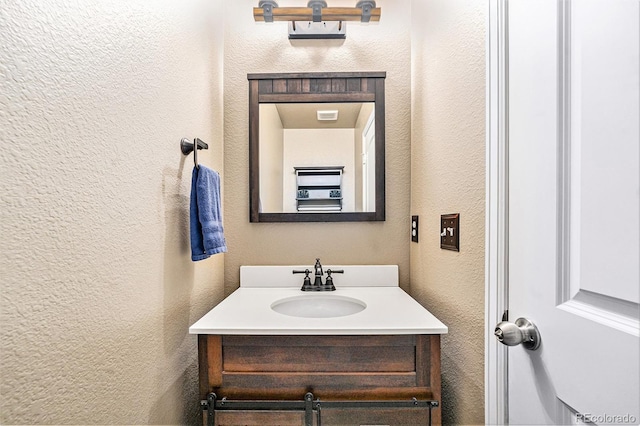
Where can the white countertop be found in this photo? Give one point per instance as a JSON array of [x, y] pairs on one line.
[[247, 311]]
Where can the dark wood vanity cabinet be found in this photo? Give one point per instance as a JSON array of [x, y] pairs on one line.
[[333, 368]]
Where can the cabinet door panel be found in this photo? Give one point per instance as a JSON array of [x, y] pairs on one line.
[[259, 418], [375, 416]]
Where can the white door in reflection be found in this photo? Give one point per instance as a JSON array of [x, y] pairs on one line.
[[369, 165]]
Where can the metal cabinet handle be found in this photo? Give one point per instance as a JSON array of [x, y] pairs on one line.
[[522, 331]]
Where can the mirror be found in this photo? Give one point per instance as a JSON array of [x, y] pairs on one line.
[[296, 139], [316, 147]]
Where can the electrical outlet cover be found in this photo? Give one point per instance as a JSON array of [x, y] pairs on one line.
[[414, 229]]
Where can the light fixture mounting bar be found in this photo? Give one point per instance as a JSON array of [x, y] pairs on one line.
[[306, 14]]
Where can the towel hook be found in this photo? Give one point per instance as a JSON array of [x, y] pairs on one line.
[[186, 147]]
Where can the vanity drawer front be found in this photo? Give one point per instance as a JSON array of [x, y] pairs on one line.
[[259, 418], [318, 382], [376, 416], [319, 354]]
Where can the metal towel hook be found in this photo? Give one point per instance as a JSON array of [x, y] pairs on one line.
[[186, 147]]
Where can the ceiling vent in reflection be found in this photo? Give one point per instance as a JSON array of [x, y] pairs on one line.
[[327, 115]]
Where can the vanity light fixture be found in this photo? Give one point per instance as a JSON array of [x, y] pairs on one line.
[[317, 20], [327, 115]]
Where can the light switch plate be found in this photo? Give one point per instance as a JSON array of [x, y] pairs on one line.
[[450, 231], [414, 229]]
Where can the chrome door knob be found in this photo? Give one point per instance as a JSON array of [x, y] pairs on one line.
[[522, 331]]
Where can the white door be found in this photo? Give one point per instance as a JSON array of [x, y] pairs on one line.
[[573, 209], [369, 165]]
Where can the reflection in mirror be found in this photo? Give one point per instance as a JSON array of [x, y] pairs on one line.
[[302, 169], [319, 139]]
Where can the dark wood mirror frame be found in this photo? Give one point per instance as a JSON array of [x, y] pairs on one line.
[[315, 88]]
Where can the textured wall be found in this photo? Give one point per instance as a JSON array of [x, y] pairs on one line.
[[447, 176], [97, 288], [252, 47], [271, 154]]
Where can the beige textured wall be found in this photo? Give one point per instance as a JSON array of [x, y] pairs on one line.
[[97, 289], [271, 156], [252, 47], [97, 286], [447, 176]]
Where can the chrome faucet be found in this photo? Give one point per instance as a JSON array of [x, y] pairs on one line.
[[317, 283]]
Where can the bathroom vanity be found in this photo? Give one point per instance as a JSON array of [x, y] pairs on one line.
[[269, 345]]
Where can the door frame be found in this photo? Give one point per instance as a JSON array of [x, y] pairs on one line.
[[497, 210]]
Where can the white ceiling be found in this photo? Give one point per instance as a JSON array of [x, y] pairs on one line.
[[303, 116]]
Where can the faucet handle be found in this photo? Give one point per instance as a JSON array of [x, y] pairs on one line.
[[306, 284], [328, 286]]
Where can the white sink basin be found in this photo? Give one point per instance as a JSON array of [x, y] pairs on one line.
[[314, 305]]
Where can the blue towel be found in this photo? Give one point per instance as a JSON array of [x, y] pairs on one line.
[[207, 235]]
